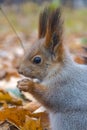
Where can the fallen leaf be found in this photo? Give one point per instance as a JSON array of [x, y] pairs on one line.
[[6, 97], [32, 124], [7, 125], [16, 115]]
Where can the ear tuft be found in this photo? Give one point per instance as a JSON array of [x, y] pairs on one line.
[[54, 28], [43, 22], [53, 42]]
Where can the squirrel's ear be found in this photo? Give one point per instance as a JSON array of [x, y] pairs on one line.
[[43, 23], [54, 31]]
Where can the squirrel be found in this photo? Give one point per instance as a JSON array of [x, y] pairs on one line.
[[62, 89]]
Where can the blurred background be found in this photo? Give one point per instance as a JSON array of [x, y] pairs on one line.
[[23, 16], [19, 26]]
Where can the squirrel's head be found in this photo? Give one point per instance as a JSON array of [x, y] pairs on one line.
[[47, 52]]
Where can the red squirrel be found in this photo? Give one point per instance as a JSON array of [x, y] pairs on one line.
[[62, 89]]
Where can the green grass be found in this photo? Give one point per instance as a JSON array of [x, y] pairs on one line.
[[26, 19], [75, 21]]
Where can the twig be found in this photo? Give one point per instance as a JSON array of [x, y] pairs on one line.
[[12, 27]]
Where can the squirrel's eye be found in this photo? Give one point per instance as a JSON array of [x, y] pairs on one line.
[[37, 60]]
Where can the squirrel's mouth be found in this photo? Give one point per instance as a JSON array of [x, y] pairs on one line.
[[31, 78]]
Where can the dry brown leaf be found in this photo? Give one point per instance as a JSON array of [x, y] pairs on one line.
[[32, 124], [7, 125], [44, 118], [6, 97], [16, 115], [79, 60]]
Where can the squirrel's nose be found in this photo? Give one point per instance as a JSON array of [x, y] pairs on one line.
[[20, 71]]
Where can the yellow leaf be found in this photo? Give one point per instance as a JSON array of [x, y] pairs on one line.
[[6, 97], [7, 125], [16, 115], [32, 124]]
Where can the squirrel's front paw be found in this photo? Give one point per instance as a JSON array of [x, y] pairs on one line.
[[25, 85]]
